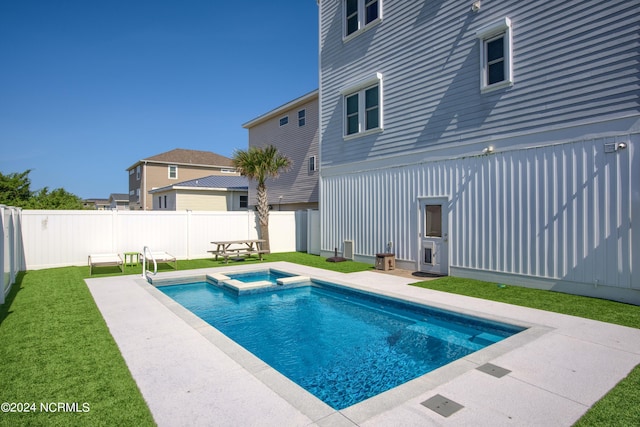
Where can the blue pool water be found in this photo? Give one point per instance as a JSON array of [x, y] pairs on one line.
[[340, 345], [256, 276]]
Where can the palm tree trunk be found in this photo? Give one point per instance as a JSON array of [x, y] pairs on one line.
[[263, 215]]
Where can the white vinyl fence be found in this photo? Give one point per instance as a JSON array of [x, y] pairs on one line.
[[313, 232], [308, 231], [63, 238], [11, 254]]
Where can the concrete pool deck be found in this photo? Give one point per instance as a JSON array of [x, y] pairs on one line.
[[191, 374]]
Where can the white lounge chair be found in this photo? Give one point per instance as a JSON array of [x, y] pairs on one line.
[[105, 260], [160, 257]]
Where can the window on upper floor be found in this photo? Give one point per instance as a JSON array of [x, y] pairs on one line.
[[138, 173], [363, 107], [284, 120], [312, 164], [173, 172], [360, 15], [302, 114], [496, 68]]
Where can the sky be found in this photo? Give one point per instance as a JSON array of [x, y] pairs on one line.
[[89, 87]]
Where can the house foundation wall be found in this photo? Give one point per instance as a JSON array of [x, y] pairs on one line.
[[558, 214]]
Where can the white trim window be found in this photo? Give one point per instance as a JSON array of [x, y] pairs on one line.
[[496, 55], [173, 171], [302, 118], [284, 120], [362, 103], [138, 173], [360, 15], [312, 164]]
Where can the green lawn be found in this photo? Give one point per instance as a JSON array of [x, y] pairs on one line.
[[55, 346], [590, 308]]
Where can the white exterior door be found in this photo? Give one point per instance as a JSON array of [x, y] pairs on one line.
[[433, 254]]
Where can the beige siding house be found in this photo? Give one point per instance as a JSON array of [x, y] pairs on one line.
[[170, 168], [293, 129], [211, 193], [97, 204]]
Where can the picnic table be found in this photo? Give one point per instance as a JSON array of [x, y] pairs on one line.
[[237, 248]]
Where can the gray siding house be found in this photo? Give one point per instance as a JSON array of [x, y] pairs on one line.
[[293, 129], [497, 140], [118, 201]]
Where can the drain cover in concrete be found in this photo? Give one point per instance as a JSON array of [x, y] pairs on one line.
[[442, 405], [494, 370]]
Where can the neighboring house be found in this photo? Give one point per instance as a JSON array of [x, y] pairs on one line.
[[97, 204], [293, 129], [210, 193], [118, 201], [172, 167], [497, 140]]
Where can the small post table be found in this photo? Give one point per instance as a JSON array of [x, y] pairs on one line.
[[131, 258]]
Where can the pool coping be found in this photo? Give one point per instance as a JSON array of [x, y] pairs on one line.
[[405, 402]]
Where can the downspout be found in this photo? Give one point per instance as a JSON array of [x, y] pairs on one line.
[[319, 155], [144, 180]]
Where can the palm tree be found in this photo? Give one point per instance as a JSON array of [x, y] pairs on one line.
[[258, 164]]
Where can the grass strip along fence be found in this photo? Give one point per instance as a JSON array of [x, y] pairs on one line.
[[58, 360], [58, 357]]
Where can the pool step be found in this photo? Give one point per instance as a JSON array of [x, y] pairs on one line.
[[486, 338], [218, 277], [237, 285], [293, 279], [471, 339]]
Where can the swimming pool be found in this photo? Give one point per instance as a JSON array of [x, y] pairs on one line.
[[341, 345]]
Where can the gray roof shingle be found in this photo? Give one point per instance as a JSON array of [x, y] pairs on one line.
[[194, 157], [214, 181]]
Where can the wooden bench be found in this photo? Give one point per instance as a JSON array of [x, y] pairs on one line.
[[238, 248]]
